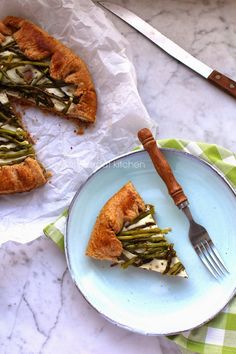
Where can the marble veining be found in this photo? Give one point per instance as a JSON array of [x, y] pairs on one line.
[[184, 104], [41, 311]]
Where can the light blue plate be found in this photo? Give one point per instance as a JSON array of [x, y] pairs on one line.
[[147, 302]]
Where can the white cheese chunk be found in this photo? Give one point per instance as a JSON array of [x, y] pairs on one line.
[[13, 76], [9, 127], [3, 98], [55, 91], [156, 265], [6, 53], [9, 161], [142, 222], [7, 40], [9, 146], [159, 265], [69, 90], [59, 106]]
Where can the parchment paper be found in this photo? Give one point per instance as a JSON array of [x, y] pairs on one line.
[[82, 26]]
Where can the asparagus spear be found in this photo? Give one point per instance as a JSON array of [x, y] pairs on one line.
[[147, 244]]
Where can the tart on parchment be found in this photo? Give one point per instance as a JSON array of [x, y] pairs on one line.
[[38, 70], [126, 233]]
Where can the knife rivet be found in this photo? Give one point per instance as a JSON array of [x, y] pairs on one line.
[[218, 77], [232, 86]]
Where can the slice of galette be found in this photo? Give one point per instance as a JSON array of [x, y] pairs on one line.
[[126, 233]]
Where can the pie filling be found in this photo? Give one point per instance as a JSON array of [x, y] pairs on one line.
[[14, 144], [145, 246], [29, 80]]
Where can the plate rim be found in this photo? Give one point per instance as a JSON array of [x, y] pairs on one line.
[[119, 157]]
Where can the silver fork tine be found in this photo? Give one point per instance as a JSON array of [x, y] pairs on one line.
[[205, 262], [204, 247], [213, 259], [216, 256], [209, 260]]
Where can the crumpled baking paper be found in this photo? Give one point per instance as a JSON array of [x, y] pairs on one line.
[[71, 158]]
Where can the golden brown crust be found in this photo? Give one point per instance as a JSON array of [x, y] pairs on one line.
[[37, 44], [21, 177], [123, 206], [4, 31]]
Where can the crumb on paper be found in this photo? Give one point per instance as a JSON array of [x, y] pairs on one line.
[[49, 175], [80, 130]]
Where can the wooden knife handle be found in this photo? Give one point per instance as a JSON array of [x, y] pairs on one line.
[[162, 166], [223, 82]]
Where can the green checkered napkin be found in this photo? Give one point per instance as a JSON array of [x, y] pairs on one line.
[[219, 335]]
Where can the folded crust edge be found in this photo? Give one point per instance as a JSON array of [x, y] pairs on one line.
[[22, 177], [65, 65], [122, 207]]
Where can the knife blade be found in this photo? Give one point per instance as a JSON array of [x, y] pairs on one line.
[[213, 76]]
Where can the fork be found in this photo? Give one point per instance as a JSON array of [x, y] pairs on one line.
[[198, 235]]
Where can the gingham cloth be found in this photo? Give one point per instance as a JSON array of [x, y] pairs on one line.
[[219, 335]]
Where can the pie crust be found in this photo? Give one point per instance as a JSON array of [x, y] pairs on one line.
[[22, 177], [122, 207]]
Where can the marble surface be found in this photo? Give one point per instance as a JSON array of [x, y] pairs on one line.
[[184, 104], [41, 311]]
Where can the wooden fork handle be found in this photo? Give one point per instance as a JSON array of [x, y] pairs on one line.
[[162, 166]]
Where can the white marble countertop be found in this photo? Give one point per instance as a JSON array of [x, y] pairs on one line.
[[41, 311], [184, 104]]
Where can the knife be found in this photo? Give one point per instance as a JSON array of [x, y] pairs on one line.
[[213, 76]]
